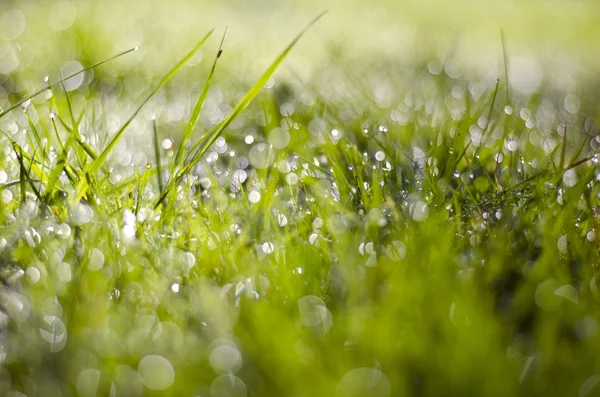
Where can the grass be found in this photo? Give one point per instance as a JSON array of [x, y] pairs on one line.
[[385, 232]]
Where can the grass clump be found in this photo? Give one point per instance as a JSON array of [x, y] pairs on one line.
[[421, 234]]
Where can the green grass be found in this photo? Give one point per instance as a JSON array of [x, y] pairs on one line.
[[380, 231]]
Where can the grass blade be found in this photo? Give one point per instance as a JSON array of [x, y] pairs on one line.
[[563, 149], [58, 168], [161, 185], [189, 129], [204, 144], [24, 175], [99, 162], [250, 95]]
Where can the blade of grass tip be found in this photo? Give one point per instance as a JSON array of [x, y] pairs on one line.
[[563, 149], [487, 121], [249, 96], [205, 141], [505, 64], [48, 86], [58, 138], [69, 105], [22, 177], [99, 162], [36, 134], [161, 185], [189, 129]]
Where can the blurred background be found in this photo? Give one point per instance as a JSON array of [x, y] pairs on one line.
[[541, 36]]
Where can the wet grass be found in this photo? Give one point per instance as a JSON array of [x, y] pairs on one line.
[[368, 232]]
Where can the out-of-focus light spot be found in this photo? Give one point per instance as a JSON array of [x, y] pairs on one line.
[[314, 313], [225, 359], [12, 24], [62, 15], [33, 273], [524, 74], [570, 178], [512, 145], [279, 138], [572, 104], [167, 143], [228, 386], [589, 386], [254, 197], [361, 382], [418, 210], [9, 61], [68, 69], [96, 261], [268, 247], [127, 382], [87, 382], [434, 67], [261, 156], [291, 178], [54, 332], [591, 236], [156, 372]]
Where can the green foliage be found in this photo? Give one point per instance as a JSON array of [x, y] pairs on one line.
[[407, 233]]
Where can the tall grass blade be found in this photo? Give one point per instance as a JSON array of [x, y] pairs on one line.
[[563, 148], [203, 144], [189, 129], [161, 185]]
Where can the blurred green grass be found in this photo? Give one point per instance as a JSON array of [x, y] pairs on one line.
[[384, 219]]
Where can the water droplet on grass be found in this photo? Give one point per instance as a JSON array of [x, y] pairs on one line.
[[167, 143], [591, 235]]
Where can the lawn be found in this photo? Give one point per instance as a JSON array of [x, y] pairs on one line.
[[369, 202]]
